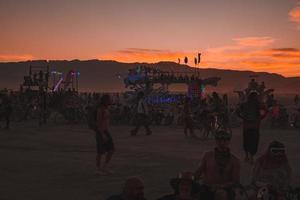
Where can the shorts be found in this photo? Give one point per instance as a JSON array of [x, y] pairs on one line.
[[104, 146]]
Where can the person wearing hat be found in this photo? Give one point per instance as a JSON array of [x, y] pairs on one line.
[[219, 169], [273, 169], [185, 187], [133, 190]]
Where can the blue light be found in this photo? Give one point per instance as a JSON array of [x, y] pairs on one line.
[[162, 100]]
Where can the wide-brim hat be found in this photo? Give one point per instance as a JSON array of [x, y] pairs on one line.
[[187, 177]]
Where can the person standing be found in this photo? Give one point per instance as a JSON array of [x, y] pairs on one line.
[[252, 113], [104, 140], [296, 99], [142, 114], [5, 109], [188, 120]]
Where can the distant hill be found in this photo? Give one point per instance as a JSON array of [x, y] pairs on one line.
[[96, 75]]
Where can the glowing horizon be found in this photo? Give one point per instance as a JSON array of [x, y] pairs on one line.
[[238, 35]]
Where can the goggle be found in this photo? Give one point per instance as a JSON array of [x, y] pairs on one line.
[[277, 150], [186, 176]]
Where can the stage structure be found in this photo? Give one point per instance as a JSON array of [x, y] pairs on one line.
[[65, 82], [155, 82], [36, 84]]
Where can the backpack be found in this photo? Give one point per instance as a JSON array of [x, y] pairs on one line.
[[92, 117]]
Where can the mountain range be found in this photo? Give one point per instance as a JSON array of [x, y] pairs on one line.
[[106, 76]]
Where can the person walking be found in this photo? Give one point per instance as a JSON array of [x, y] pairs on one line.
[[252, 112], [142, 114], [104, 140]]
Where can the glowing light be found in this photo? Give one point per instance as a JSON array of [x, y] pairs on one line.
[[58, 84]]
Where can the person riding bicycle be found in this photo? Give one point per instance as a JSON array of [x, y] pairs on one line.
[[219, 169], [273, 169], [217, 114], [216, 104]]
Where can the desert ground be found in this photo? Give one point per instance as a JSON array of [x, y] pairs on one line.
[[56, 161]]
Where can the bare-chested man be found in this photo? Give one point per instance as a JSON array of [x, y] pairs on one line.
[[220, 169], [104, 140]]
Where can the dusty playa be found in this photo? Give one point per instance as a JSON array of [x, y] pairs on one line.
[[57, 161]]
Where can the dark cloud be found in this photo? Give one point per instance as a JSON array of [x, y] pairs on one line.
[[286, 49]]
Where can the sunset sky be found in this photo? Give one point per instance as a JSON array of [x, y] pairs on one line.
[[259, 35]]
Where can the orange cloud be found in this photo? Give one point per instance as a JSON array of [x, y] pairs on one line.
[[15, 58], [294, 15], [255, 41], [281, 54], [145, 55], [285, 61]]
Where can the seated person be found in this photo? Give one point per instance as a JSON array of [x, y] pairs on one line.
[[185, 187], [273, 169], [220, 170], [133, 190]]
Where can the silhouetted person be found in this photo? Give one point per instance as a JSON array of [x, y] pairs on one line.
[[252, 113], [270, 101], [133, 190], [262, 87], [41, 76], [142, 118], [273, 168], [188, 119], [185, 187], [104, 140], [220, 170], [5, 109], [252, 85], [296, 99], [186, 60], [35, 79]]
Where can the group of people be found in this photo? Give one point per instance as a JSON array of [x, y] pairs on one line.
[[219, 169], [143, 74], [219, 175]]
